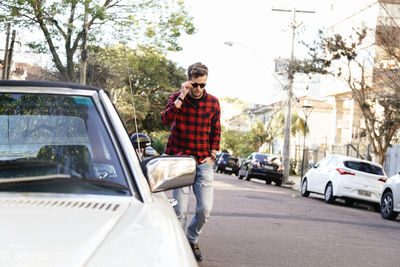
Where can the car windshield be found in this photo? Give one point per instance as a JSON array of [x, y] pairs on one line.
[[42, 135], [261, 157], [364, 167], [233, 161], [225, 156]]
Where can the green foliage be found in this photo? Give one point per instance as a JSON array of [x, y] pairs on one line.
[[141, 22], [243, 143], [293, 167], [159, 140], [142, 78]]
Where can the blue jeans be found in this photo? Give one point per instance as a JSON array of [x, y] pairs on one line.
[[203, 191]]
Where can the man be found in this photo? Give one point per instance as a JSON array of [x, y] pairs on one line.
[[195, 118]]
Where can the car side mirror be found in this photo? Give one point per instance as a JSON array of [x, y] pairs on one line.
[[168, 172]]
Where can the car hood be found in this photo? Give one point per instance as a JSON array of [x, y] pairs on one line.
[[71, 232]]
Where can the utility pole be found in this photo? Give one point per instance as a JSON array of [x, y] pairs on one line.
[[288, 119], [10, 55], [84, 53], [5, 62]]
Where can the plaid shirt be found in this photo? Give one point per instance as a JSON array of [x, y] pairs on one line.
[[196, 128]]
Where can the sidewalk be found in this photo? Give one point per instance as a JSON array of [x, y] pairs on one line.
[[293, 182]]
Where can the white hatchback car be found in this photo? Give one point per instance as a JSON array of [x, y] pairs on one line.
[[344, 177], [390, 202], [73, 191]]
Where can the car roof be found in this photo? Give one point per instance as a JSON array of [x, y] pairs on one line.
[[29, 83], [346, 158]]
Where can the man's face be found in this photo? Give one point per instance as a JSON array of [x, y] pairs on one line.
[[197, 92]]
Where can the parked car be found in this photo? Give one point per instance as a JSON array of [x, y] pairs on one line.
[[390, 201], [262, 166], [227, 163], [73, 191], [344, 177]]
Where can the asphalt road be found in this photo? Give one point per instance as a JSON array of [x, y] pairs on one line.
[[254, 224]]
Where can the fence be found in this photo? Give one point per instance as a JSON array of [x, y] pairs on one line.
[[392, 160], [315, 155]]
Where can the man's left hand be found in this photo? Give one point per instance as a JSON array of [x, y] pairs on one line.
[[209, 160]]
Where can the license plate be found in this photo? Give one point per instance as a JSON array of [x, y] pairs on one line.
[[364, 193], [228, 168], [267, 167]]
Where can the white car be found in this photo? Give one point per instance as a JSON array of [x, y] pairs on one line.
[[73, 191], [351, 179], [390, 202]]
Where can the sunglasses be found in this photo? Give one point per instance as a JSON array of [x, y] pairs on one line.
[[202, 85]]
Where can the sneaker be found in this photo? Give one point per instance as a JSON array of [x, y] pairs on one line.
[[196, 251]]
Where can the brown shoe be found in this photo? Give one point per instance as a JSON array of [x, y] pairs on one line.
[[196, 251]]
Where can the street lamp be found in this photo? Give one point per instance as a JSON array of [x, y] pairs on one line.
[[307, 109]]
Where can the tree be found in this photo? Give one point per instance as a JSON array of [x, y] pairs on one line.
[[143, 78], [158, 23], [373, 84]]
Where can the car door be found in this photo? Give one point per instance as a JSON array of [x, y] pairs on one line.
[[318, 176], [326, 174]]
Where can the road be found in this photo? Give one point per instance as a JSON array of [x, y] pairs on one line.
[[254, 224]]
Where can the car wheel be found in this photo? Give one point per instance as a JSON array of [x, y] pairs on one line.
[[217, 169], [278, 183], [387, 206], [329, 198], [304, 191], [268, 181], [248, 175]]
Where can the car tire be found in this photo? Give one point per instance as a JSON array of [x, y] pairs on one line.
[[387, 206], [217, 169], [304, 191], [278, 183], [268, 181], [328, 196], [248, 176]]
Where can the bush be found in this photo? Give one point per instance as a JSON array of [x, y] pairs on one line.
[[293, 167]]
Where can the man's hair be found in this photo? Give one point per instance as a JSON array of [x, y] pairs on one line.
[[197, 70]]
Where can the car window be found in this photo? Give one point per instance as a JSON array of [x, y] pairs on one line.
[[364, 167], [261, 157], [233, 161], [42, 135], [225, 157]]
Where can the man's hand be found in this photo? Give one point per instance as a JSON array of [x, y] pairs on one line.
[[185, 88], [209, 160]]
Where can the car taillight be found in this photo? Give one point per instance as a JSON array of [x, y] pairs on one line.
[[383, 179], [345, 172]]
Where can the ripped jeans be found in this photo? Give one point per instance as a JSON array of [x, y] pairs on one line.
[[203, 191]]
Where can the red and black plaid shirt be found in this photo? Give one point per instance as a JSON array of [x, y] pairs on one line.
[[196, 128]]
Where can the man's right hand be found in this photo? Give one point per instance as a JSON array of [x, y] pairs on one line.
[[185, 88]]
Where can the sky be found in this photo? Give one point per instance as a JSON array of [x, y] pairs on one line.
[[259, 35]]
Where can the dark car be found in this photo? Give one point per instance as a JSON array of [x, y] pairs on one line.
[[262, 166], [227, 163]]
